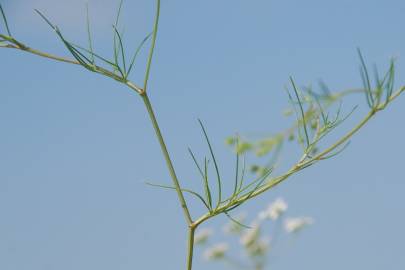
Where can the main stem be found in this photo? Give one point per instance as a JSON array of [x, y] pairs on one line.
[[190, 247], [192, 227], [166, 155]]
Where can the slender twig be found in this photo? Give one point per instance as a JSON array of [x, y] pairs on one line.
[[300, 166], [166, 155], [241, 193], [102, 70], [152, 47], [190, 247]]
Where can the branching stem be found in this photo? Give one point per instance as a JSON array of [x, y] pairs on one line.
[[303, 163], [7, 41], [165, 152], [190, 247], [166, 155]]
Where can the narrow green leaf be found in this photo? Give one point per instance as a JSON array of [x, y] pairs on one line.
[[304, 124], [235, 221], [195, 162], [204, 176], [390, 84], [89, 33], [152, 46], [117, 18], [206, 183], [116, 50], [95, 55], [121, 46], [5, 20], [215, 164], [259, 179], [337, 152], [242, 178], [138, 49], [259, 185], [366, 80], [236, 169], [46, 19], [183, 189]]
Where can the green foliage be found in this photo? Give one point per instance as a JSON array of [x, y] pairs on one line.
[[314, 121]]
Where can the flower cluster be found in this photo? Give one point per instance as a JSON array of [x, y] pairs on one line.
[[254, 244]]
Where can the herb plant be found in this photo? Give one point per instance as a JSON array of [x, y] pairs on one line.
[[315, 120]]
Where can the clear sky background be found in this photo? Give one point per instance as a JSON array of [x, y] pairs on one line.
[[76, 148]]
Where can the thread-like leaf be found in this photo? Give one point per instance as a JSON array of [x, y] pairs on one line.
[[152, 46], [75, 53], [206, 183], [95, 55], [45, 19], [121, 48], [337, 152], [3, 15], [115, 48], [242, 178], [366, 80], [183, 189], [259, 185], [89, 33], [215, 163], [259, 179], [304, 124], [235, 221], [204, 176], [391, 79], [138, 49], [236, 169]]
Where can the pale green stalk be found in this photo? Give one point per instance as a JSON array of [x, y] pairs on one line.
[[238, 197], [165, 152], [142, 91], [152, 47], [300, 165], [190, 247], [166, 155]]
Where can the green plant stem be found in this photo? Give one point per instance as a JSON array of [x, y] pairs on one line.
[[19, 46], [191, 225], [42, 54], [152, 47], [166, 155], [190, 247], [356, 128], [303, 164]]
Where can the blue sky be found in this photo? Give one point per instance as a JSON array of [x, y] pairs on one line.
[[76, 148]]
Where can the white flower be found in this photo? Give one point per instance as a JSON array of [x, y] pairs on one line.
[[260, 247], [232, 227], [292, 225], [202, 235], [250, 236], [216, 252], [274, 210]]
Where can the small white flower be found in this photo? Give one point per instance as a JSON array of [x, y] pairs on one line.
[[277, 208], [292, 225], [216, 252], [260, 247], [274, 210], [250, 236], [202, 235]]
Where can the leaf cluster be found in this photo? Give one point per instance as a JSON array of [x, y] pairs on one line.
[[314, 119], [119, 67]]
